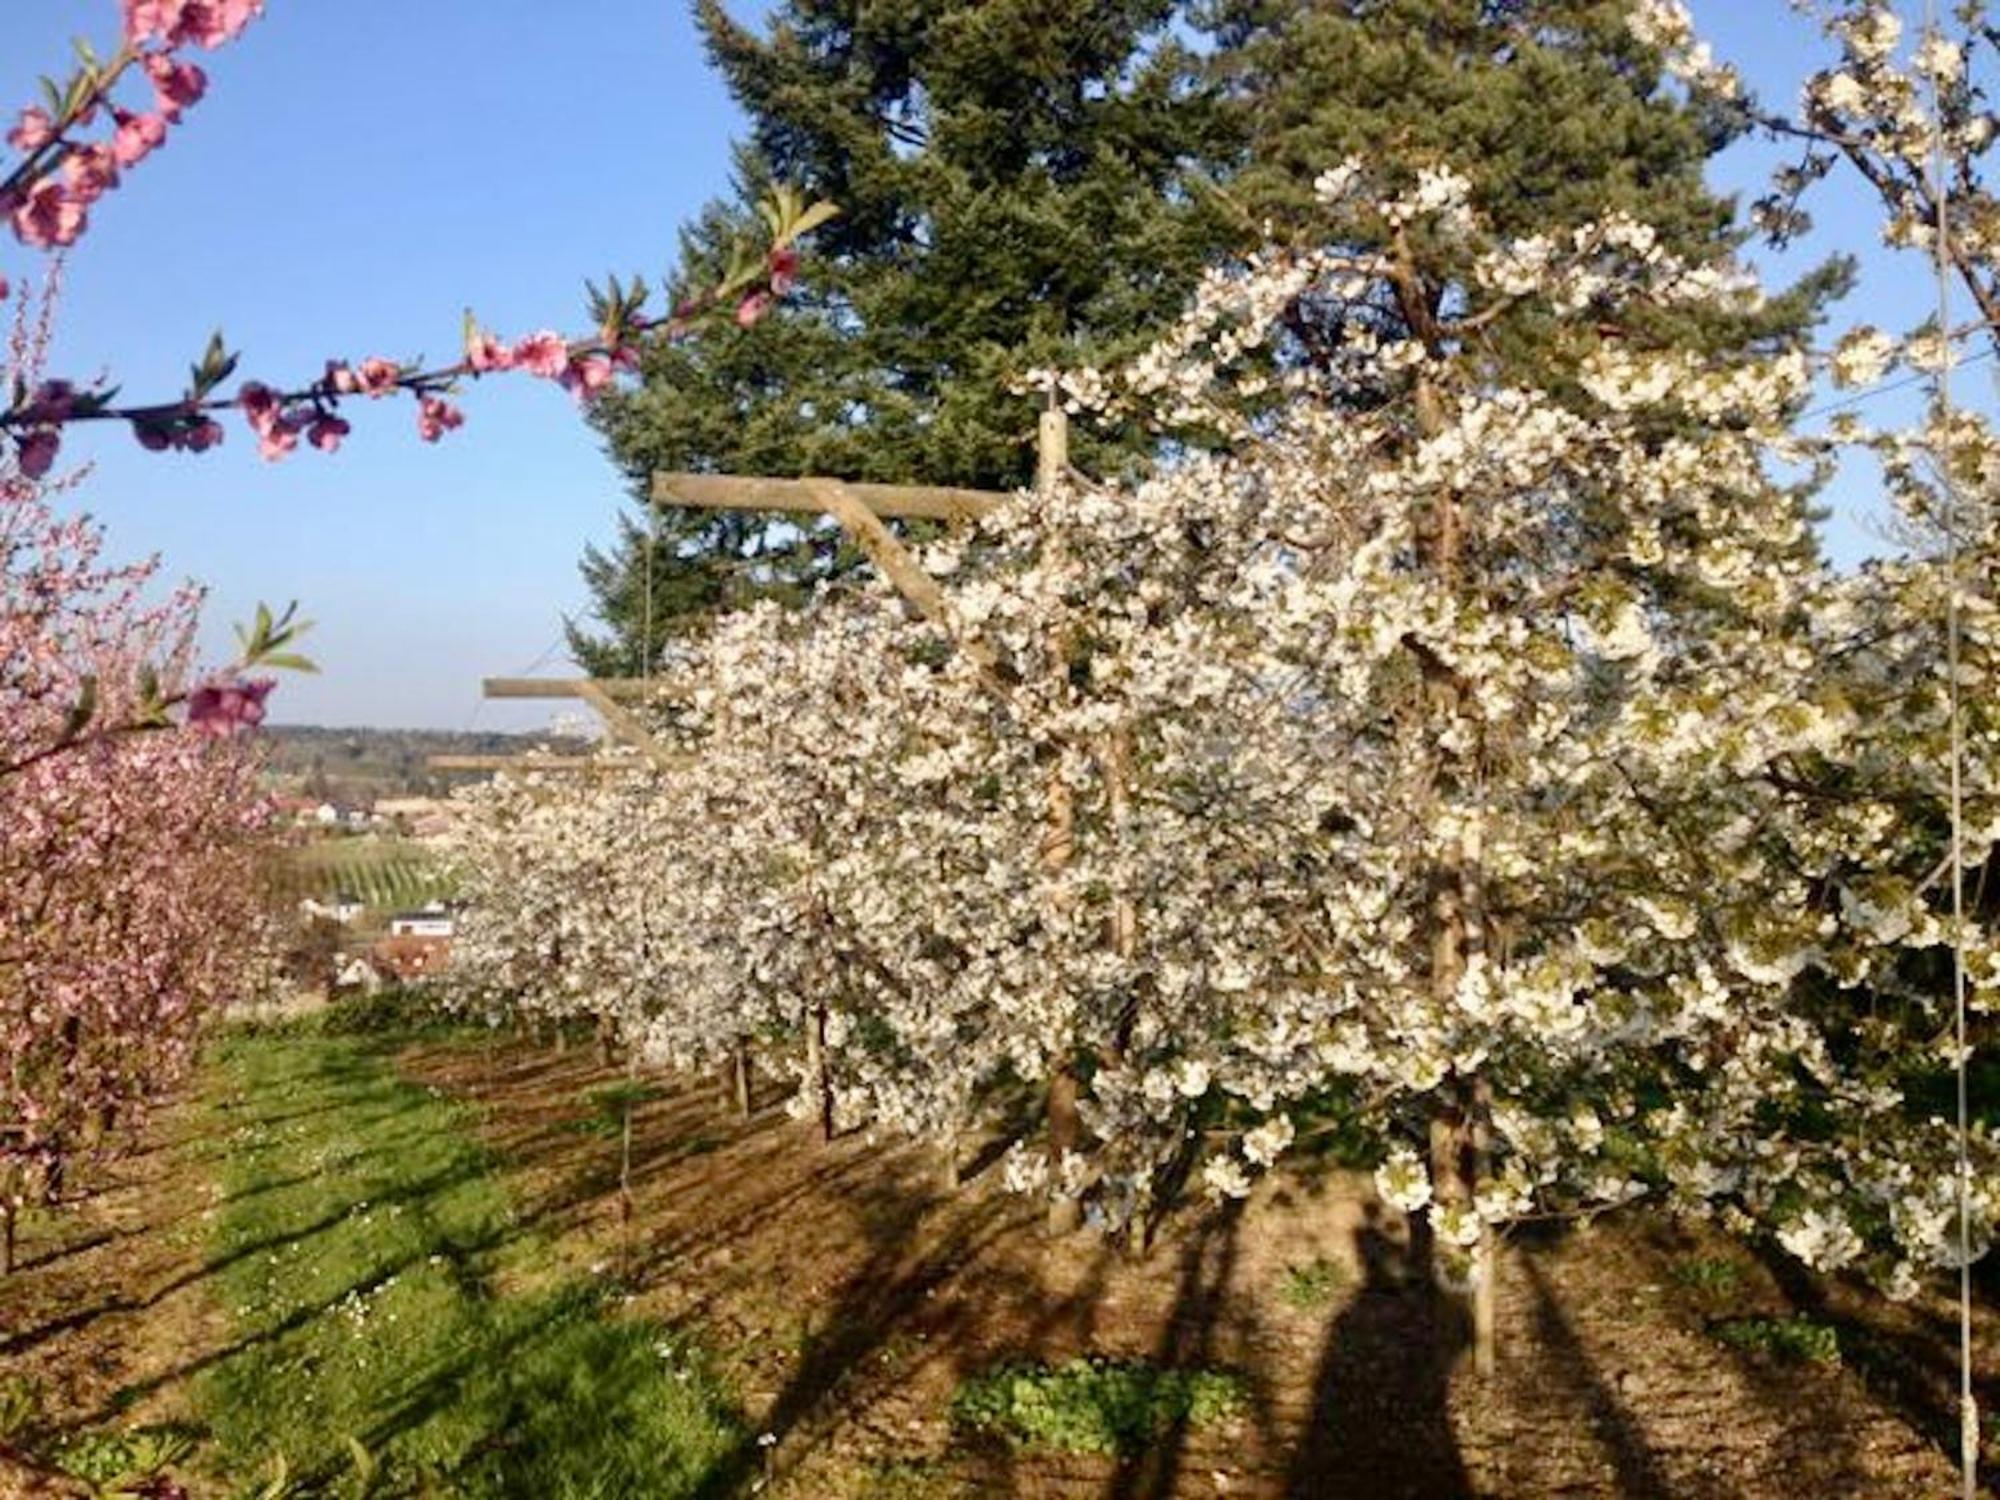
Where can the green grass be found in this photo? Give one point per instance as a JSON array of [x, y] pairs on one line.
[[1093, 1405], [1792, 1340], [361, 1247], [1713, 1277], [1314, 1284]]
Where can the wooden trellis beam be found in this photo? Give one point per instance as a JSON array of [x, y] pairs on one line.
[[523, 763], [564, 687], [917, 502]]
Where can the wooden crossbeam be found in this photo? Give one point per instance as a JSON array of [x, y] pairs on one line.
[[927, 502], [603, 695], [524, 763], [626, 688]]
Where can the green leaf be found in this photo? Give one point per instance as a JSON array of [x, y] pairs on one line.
[[82, 711]]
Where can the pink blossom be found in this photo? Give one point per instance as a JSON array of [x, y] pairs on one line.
[[752, 308], [227, 706], [586, 376], [92, 171], [340, 379], [138, 137], [484, 352], [206, 23], [201, 436], [35, 131], [49, 215], [436, 417], [544, 354], [38, 451], [784, 267], [326, 432], [176, 84], [151, 20], [378, 376], [260, 404], [277, 431], [278, 440], [6, 288]]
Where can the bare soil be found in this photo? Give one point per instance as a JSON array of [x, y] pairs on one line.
[[847, 1296]]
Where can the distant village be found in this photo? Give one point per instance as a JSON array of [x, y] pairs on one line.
[[362, 920]]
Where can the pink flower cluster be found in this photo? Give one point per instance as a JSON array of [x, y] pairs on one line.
[[228, 706], [48, 199], [206, 23]]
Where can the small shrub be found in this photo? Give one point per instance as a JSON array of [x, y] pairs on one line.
[[1093, 1405], [118, 1463], [1712, 1276], [1797, 1340], [1314, 1284], [607, 1106]]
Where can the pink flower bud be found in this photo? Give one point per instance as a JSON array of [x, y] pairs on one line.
[[751, 309], [176, 85], [138, 136], [37, 451], [587, 376], [326, 432], [229, 706], [378, 376], [436, 417], [35, 131], [340, 379], [784, 267], [484, 352]]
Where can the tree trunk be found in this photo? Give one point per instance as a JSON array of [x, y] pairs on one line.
[[818, 1072], [1065, 1134], [740, 1080], [7, 1238], [604, 1041]]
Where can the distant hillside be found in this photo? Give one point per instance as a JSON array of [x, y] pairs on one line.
[[359, 765]]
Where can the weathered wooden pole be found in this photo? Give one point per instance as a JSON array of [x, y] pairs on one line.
[[1065, 1122]]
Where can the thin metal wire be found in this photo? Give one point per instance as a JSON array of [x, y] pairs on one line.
[[1968, 1410]]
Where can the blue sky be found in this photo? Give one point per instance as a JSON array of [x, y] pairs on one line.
[[361, 172]]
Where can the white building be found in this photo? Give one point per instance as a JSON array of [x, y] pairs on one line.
[[434, 920]]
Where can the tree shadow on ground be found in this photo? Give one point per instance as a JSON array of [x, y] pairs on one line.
[[1906, 1358], [1207, 1258], [1571, 1368], [1380, 1425]]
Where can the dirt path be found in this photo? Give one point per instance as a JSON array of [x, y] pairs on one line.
[[109, 1313], [851, 1298]]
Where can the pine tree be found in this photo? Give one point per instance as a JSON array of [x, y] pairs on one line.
[[1027, 184], [1014, 179], [1551, 108]]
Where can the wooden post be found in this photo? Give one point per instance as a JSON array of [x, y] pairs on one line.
[[1065, 1123], [817, 1070], [1051, 448], [948, 1162], [740, 1069]]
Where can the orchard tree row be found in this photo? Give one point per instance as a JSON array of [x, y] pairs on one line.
[[1473, 750]]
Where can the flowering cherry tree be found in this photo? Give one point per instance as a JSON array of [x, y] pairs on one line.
[[1502, 760]]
